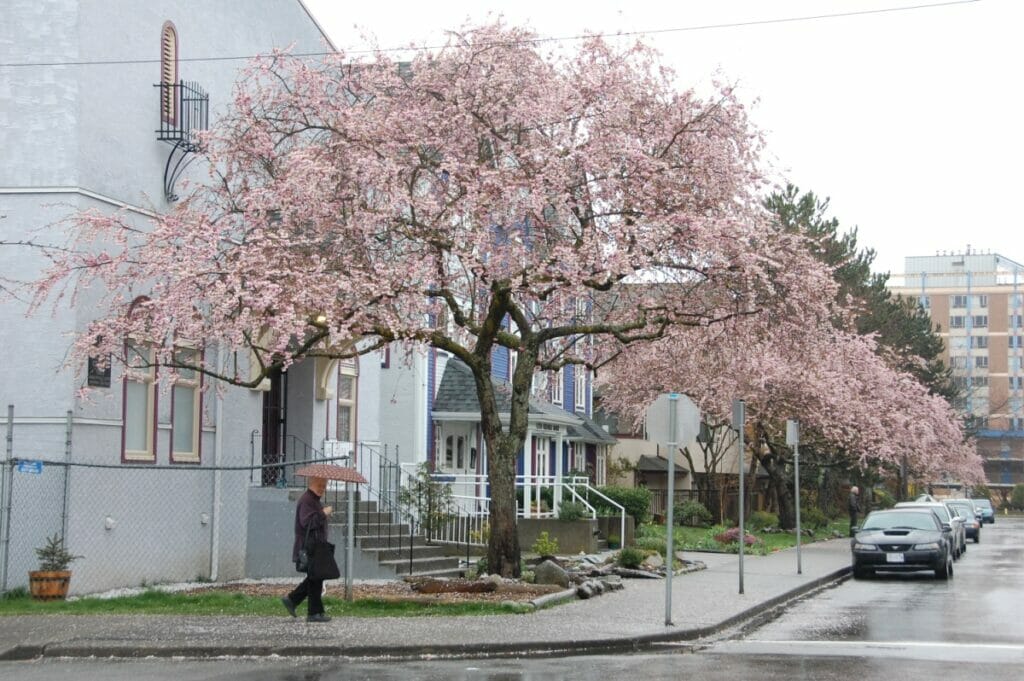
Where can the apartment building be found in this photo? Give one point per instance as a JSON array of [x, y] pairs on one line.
[[977, 301]]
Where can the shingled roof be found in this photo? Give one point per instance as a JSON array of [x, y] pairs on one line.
[[457, 395]]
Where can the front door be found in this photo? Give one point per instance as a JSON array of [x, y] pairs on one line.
[[274, 422]]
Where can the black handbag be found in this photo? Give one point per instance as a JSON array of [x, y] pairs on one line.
[[302, 562], [321, 561]]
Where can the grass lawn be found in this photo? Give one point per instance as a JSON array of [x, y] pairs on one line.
[[702, 538], [237, 604]]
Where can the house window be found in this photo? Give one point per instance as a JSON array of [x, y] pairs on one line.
[[185, 409], [979, 321], [1016, 321], [556, 388], [348, 377], [979, 342], [580, 387], [1016, 341], [956, 322], [981, 301], [168, 72], [958, 362], [981, 362], [979, 381], [958, 301], [460, 452], [449, 452], [139, 404], [925, 302]]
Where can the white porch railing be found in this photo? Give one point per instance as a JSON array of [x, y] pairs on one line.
[[469, 503]]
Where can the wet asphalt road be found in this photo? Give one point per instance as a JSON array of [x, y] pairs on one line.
[[906, 628]]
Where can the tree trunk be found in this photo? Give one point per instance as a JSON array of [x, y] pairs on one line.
[[503, 546], [779, 484]]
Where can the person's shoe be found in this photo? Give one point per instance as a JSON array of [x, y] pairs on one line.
[[319, 617], [289, 606]]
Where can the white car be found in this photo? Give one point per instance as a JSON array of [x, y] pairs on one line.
[[958, 536]]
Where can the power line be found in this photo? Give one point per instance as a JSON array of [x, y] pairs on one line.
[[556, 39]]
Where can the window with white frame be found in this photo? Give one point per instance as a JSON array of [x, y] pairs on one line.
[[449, 452], [139, 404], [979, 321], [956, 322], [958, 362], [979, 342], [348, 377], [981, 362], [557, 386], [580, 387], [186, 399], [958, 301]]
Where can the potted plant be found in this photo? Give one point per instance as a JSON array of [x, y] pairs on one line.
[[51, 580]]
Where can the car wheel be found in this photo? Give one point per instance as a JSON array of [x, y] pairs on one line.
[[945, 572], [977, 538]]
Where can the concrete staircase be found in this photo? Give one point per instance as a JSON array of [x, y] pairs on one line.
[[390, 545]]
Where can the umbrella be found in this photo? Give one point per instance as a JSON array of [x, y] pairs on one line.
[[330, 471]]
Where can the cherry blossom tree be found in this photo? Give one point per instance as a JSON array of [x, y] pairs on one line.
[[483, 195], [847, 398]]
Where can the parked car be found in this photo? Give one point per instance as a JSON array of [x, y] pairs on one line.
[[971, 517], [957, 536], [902, 540], [988, 514]]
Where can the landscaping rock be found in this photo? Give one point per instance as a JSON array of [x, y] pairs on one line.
[[550, 572], [654, 561], [639, 574]]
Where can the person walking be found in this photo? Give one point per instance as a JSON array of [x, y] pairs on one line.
[[311, 516], [853, 505]]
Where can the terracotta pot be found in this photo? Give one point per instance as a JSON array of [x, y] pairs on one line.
[[49, 585]]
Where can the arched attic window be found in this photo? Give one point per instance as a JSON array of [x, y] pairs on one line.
[[168, 72]]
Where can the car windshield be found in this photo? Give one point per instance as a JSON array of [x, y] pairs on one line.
[[963, 512], [984, 503], [890, 520]]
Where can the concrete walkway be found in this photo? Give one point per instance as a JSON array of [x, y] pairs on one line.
[[705, 603]]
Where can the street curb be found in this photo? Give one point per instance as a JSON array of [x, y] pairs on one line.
[[466, 651]]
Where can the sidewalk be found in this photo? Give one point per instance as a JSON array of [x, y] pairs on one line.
[[703, 603]]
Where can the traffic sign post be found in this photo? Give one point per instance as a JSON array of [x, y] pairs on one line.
[[738, 418], [793, 440], [673, 399]]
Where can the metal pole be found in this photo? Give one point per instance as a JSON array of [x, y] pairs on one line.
[[6, 494], [738, 417], [673, 402], [793, 439], [67, 475], [350, 538]]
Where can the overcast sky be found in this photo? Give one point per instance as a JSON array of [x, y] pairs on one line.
[[910, 120]]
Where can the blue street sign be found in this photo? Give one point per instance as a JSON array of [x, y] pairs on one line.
[[34, 467]]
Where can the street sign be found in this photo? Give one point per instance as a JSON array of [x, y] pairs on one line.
[[34, 467], [792, 432]]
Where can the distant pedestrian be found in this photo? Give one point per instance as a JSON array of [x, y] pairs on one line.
[[312, 516], [853, 505]]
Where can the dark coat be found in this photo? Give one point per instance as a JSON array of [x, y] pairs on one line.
[[309, 514], [854, 503]]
